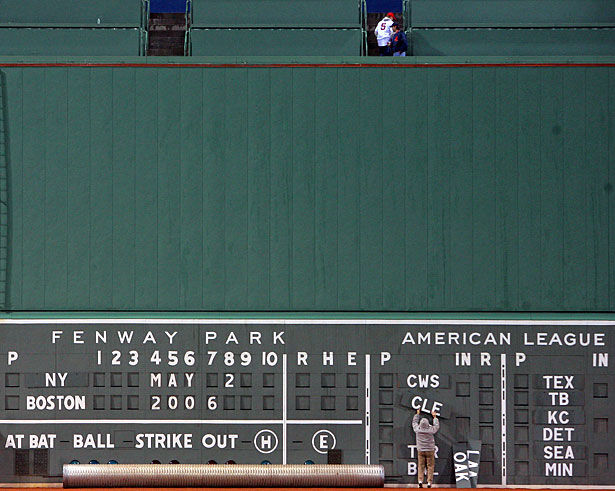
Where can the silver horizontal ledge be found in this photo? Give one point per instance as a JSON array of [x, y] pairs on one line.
[[221, 475]]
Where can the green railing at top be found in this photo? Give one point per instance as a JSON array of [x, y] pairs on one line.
[[145, 11], [187, 50]]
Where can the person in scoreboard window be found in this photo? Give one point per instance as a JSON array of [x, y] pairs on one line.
[[425, 445], [383, 33], [399, 43]]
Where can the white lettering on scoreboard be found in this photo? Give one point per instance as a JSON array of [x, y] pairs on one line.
[[558, 432], [212, 383]]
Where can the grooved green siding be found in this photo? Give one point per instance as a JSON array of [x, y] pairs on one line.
[[106, 13], [511, 13], [276, 42], [512, 42], [332, 189], [276, 13], [69, 42]]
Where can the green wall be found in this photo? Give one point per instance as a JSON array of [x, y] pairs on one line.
[[322, 188]]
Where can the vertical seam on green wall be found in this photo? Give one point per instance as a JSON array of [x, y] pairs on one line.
[[314, 200], [337, 194], [182, 283], [382, 139], [405, 202], [112, 188], [4, 161], [157, 299], [540, 154], [518, 299], [67, 189], [587, 299], [270, 208], [359, 176], [472, 207], [134, 194], [291, 273], [427, 195], [608, 205], [44, 166], [447, 263], [563, 214], [90, 188], [203, 175], [22, 193]]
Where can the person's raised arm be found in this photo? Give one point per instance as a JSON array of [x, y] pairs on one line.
[[436, 422], [415, 421]]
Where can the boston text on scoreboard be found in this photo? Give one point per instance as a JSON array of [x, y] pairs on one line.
[[531, 401]]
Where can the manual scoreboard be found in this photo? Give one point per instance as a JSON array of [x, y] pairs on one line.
[[519, 402]]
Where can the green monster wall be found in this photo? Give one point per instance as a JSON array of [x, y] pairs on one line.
[[311, 188]]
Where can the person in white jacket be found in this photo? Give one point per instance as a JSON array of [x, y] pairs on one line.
[[383, 33]]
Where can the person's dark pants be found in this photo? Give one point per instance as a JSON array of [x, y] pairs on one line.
[[384, 51], [426, 459]]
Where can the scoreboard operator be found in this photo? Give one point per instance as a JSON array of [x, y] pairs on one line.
[[425, 445]]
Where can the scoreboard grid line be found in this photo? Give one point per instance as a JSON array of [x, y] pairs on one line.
[[185, 421], [368, 373], [503, 414], [349, 321], [284, 406]]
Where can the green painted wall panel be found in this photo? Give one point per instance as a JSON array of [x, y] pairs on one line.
[[280, 162], [438, 187], [146, 206], [574, 227], [528, 151], [506, 189], [326, 151], [276, 13], [610, 189], [214, 191], [461, 192], [311, 189], [31, 252], [551, 240], [101, 190], [512, 42], [417, 174], [4, 197], [597, 158], [14, 91], [191, 186], [69, 42], [123, 172], [371, 140], [302, 188], [348, 122], [276, 42], [393, 200], [69, 12], [258, 187], [235, 164], [55, 192], [78, 179], [168, 189], [505, 13], [483, 187]]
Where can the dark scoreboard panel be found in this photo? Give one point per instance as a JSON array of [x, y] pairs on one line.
[[536, 398]]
